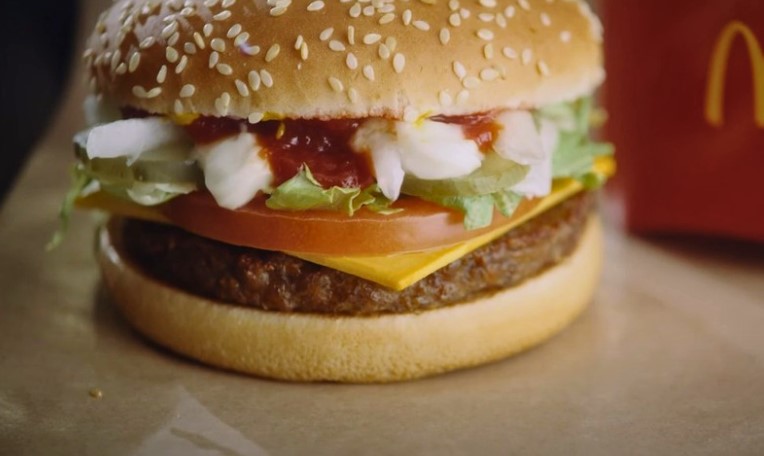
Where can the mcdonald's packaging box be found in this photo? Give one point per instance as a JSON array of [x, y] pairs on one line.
[[685, 94]]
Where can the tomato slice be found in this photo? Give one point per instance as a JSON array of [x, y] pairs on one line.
[[420, 226]]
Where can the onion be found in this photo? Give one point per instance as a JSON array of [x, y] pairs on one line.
[[435, 150], [233, 169], [132, 137], [377, 138]]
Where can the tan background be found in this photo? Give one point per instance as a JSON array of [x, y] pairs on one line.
[[669, 360]]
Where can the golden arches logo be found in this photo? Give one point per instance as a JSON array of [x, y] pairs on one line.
[[717, 73]]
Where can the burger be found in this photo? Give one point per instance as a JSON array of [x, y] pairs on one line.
[[340, 190]]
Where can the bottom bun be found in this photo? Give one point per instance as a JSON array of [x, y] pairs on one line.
[[309, 347]]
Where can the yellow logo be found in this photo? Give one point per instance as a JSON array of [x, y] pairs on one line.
[[717, 73]]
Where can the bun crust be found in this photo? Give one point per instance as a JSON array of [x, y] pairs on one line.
[[243, 58], [387, 348]]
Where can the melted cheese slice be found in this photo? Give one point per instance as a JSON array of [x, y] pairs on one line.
[[401, 271], [397, 271]]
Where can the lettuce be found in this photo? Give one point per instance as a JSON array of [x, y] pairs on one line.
[[302, 192], [80, 181], [478, 210]]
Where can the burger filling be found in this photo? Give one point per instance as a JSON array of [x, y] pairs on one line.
[[279, 282], [473, 164]]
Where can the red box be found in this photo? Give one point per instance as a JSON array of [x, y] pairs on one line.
[[685, 94]]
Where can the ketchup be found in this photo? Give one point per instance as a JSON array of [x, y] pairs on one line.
[[481, 128], [323, 145]]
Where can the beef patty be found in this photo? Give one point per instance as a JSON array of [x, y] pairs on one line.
[[278, 282]]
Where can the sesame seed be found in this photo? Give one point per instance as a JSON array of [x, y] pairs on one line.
[[526, 56], [368, 11], [399, 62], [326, 34], [444, 36], [242, 88], [351, 35], [484, 34], [565, 36], [298, 42], [336, 84], [453, 5], [213, 60], [464, 13], [524, 5], [189, 48], [162, 74], [501, 21], [217, 44], [459, 70], [353, 95], [153, 93], [199, 40], [139, 91], [222, 103], [272, 53], [444, 98], [488, 51], [169, 29], [454, 19], [486, 17], [384, 51], [241, 39], [422, 25], [181, 65], [187, 91], [266, 78], [543, 68], [147, 42], [462, 96], [304, 51], [488, 3], [121, 68], [178, 107], [509, 53], [509, 12], [410, 114], [368, 72], [134, 61], [336, 45], [254, 80], [355, 10], [391, 43], [233, 31], [227, 3], [545, 20], [208, 29], [316, 5], [211, 3], [386, 18], [223, 15], [171, 54], [470, 82], [407, 15], [278, 11], [255, 117], [489, 74], [371, 38], [351, 61], [224, 69]]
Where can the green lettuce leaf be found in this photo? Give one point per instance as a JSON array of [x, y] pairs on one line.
[[478, 210], [302, 192], [80, 181]]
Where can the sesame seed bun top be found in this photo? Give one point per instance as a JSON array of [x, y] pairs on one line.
[[340, 58]]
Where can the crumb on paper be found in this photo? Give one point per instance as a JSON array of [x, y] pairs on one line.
[[96, 393]]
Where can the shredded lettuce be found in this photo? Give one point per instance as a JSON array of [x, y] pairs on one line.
[[478, 210], [576, 151], [303, 192], [80, 181]]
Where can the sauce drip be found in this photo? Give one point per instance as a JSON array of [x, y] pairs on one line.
[[481, 128]]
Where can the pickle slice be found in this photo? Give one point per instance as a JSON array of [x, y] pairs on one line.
[[495, 174]]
